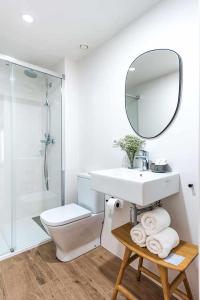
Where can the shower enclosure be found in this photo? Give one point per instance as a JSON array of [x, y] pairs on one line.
[[30, 153]]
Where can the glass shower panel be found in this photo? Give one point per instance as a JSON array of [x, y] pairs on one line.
[[36, 151], [5, 157], [52, 131]]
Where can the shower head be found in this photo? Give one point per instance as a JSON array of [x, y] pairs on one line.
[[30, 73]]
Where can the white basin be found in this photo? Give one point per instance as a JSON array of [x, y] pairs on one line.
[[141, 188]]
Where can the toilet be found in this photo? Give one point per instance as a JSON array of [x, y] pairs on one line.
[[76, 228]]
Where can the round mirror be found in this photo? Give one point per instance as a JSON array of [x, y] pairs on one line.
[[152, 92]]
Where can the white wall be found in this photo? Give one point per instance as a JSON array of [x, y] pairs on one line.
[[71, 149], [171, 24]]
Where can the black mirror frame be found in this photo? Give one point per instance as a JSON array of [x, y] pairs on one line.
[[179, 92]]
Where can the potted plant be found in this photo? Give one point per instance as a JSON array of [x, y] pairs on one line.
[[131, 145]]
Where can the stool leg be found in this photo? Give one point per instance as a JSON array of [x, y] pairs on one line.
[[164, 281], [138, 276], [187, 287], [126, 257]]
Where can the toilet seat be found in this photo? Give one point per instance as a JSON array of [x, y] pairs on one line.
[[64, 214]]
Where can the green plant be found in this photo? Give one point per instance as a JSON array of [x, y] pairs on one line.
[[131, 145]]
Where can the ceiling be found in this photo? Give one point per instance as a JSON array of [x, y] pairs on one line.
[[61, 26]]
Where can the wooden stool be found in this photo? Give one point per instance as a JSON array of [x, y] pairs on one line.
[[189, 251]]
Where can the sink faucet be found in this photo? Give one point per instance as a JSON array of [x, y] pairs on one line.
[[145, 160]]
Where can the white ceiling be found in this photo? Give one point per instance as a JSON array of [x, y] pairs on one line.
[[62, 25]]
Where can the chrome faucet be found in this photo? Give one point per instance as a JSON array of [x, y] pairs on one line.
[[145, 160]]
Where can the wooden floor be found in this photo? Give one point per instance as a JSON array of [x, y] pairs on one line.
[[37, 274]]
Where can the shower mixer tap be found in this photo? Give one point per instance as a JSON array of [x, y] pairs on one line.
[[48, 140]]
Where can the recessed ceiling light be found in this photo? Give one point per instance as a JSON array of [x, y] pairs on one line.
[[27, 18], [132, 69], [84, 46]]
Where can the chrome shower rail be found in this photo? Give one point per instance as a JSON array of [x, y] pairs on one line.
[[30, 66]]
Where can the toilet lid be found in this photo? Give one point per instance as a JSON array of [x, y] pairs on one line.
[[64, 214]]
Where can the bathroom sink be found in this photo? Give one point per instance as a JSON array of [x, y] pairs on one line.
[[133, 185]]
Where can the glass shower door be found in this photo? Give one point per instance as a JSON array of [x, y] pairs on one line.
[[30, 154], [37, 155], [5, 158]]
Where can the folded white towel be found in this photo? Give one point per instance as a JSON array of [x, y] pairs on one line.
[[138, 235], [156, 220], [163, 242]]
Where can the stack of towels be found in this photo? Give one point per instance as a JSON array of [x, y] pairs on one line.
[[154, 232]]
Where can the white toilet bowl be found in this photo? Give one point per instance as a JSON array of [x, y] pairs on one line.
[[75, 229]]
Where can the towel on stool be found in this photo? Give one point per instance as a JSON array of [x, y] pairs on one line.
[[163, 242], [138, 235], [155, 221]]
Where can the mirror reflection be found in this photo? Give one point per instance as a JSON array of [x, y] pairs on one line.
[[152, 91]]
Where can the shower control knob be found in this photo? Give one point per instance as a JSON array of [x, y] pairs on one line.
[[190, 185]]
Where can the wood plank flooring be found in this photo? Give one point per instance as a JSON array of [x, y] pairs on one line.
[[37, 274]]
